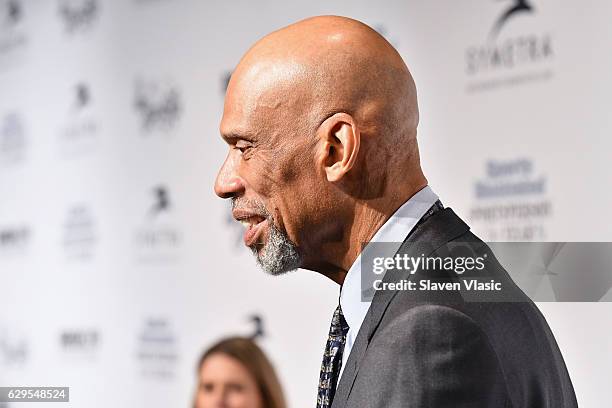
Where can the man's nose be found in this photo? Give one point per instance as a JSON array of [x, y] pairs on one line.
[[228, 184]]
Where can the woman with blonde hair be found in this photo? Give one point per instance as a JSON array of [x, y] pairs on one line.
[[235, 373]]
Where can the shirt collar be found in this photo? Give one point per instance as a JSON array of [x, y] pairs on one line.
[[393, 231]]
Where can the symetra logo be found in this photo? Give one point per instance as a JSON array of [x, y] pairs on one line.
[[518, 7], [79, 134], [162, 201], [258, 326], [158, 239], [517, 49]]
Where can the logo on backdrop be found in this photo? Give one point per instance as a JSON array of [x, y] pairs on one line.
[[78, 15], [518, 7], [258, 327], [158, 104], [78, 135], [517, 50], [162, 201], [12, 139], [157, 349], [511, 201], [12, 36], [83, 95], [14, 240], [158, 239], [14, 350], [80, 236], [79, 343]]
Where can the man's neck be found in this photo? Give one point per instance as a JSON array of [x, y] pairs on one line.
[[368, 218]]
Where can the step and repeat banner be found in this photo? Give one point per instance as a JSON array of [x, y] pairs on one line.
[[119, 265]]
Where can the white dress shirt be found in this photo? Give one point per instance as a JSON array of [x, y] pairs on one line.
[[393, 231]]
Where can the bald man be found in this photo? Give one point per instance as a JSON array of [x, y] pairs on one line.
[[321, 121]]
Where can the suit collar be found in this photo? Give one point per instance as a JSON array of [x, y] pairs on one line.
[[392, 233], [439, 229]]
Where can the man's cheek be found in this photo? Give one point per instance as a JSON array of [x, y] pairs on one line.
[[262, 176]]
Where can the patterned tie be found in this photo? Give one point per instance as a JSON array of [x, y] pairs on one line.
[[332, 359]]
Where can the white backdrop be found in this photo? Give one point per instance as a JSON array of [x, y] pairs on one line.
[[118, 265]]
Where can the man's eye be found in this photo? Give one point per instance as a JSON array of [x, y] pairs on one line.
[[243, 148]]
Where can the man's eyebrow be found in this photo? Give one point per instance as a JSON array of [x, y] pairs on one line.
[[232, 137]]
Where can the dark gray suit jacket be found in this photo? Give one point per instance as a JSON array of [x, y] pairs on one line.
[[420, 350]]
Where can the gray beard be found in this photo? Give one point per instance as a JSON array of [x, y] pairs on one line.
[[279, 255]]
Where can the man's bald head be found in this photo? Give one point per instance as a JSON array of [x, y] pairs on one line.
[[325, 111], [328, 64]]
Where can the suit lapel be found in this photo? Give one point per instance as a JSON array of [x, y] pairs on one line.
[[436, 231]]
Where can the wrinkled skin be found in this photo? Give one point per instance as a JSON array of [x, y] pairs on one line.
[[320, 118]]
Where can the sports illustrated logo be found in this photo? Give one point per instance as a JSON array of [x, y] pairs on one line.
[[78, 15], [157, 349], [80, 236], [12, 139], [158, 240], [158, 104], [14, 240], [517, 50], [12, 36], [78, 135], [511, 201]]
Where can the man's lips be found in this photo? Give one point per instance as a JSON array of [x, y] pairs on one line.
[[254, 224]]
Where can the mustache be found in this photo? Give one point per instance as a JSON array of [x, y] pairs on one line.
[[254, 206]]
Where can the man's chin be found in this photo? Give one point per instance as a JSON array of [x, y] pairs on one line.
[[277, 254]]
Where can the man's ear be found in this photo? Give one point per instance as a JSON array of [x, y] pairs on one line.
[[340, 145]]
